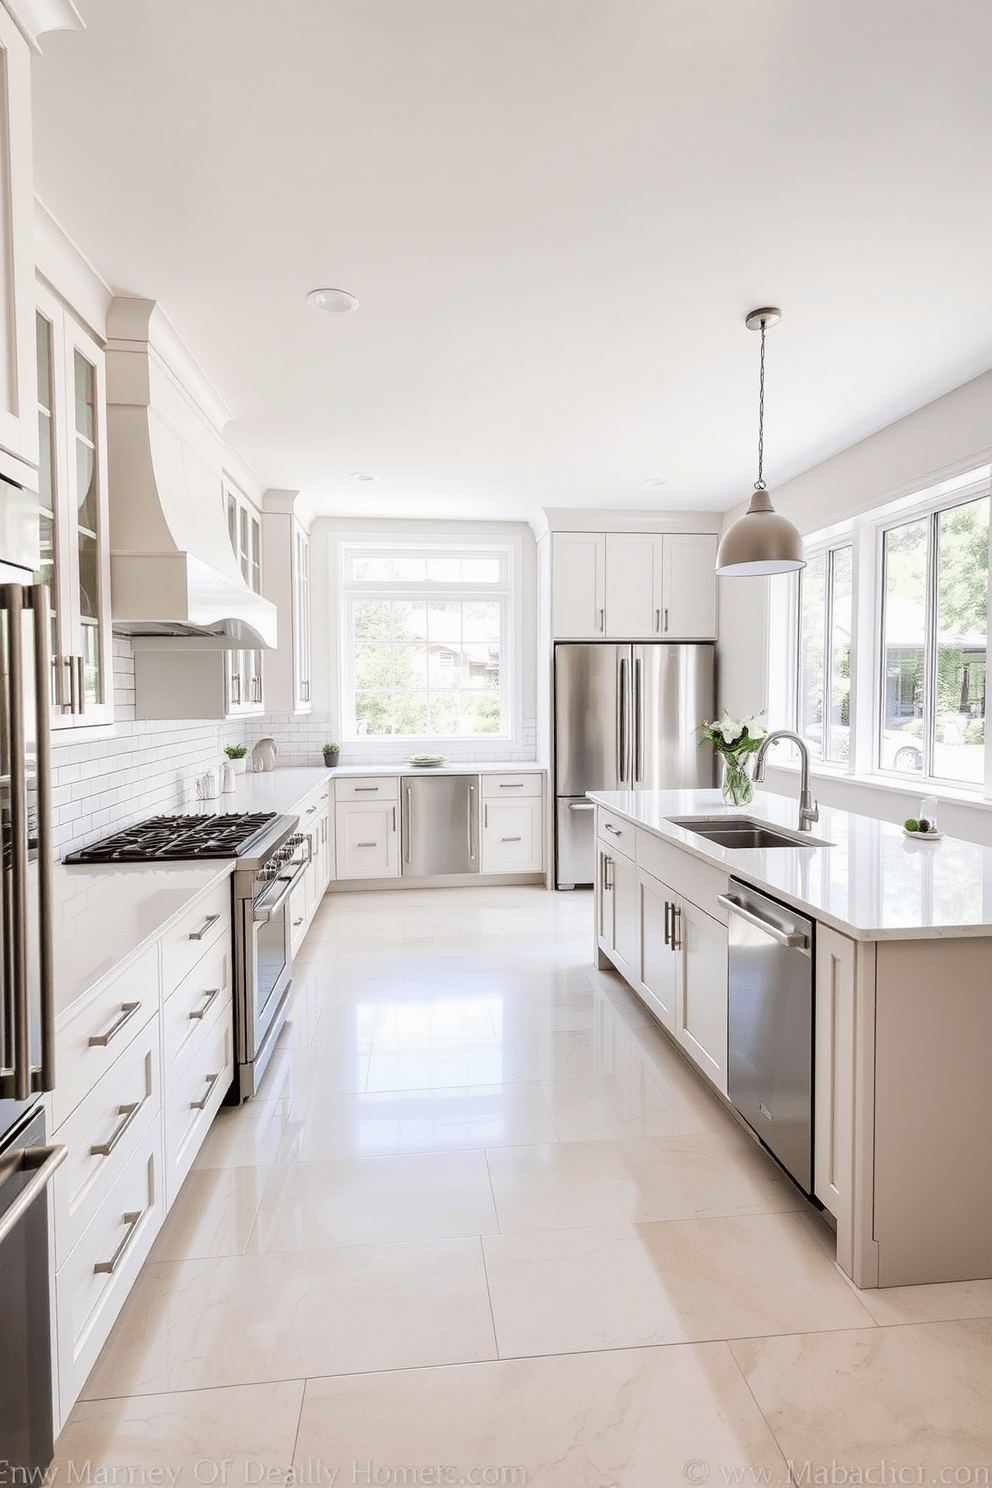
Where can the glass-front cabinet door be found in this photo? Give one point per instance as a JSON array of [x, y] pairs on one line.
[[75, 557], [244, 668]]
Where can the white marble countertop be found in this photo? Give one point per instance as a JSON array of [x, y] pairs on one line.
[[105, 916], [864, 877]]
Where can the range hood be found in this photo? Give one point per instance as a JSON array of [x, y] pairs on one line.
[[173, 571]]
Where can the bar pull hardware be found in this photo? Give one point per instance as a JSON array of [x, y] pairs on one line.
[[44, 1160], [609, 827], [101, 1040], [676, 927], [394, 818], [81, 683], [666, 622], [298, 922], [366, 844], [129, 1112], [471, 822], [132, 1219], [638, 723], [199, 934], [657, 620], [69, 661], [514, 785], [43, 783], [211, 1082], [668, 923], [581, 806], [210, 997], [510, 839], [311, 810], [408, 824], [360, 788], [602, 619], [794, 942]]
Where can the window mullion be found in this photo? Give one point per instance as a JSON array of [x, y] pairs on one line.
[[930, 650]]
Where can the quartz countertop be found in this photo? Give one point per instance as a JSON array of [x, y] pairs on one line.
[[862, 876]]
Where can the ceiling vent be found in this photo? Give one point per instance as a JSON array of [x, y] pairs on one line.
[[172, 568]]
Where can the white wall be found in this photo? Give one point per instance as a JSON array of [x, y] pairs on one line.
[[944, 438]]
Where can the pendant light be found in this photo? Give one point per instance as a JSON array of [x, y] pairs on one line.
[[762, 541]]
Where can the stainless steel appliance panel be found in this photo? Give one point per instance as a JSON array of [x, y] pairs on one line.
[[673, 690], [592, 730], [576, 840], [770, 1025], [439, 824]]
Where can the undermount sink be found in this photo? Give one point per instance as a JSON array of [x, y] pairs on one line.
[[743, 831]]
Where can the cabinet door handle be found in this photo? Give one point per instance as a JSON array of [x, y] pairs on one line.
[[602, 619], [81, 684], [311, 810], [101, 1040], [485, 816], [607, 874], [394, 818], [201, 1012], [666, 622], [366, 844], [408, 824], [199, 934], [657, 620], [70, 662], [676, 927], [471, 823], [668, 922], [132, 1220], [510, 839], [298, 922], [514, 785], [211, 1082], [360, 788], [129, 1112]]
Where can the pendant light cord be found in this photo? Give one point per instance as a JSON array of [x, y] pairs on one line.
[[759, 484]]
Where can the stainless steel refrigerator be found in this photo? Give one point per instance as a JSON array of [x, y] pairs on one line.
[[625, 719]]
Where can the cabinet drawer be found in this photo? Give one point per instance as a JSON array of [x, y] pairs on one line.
[[92, 1284], [87, 1046], [506, 787], [614, 833], [314, 805], [194, 1004], [193, 1096], [194, 932], [102, 1134], [688, 876], [368, 788]]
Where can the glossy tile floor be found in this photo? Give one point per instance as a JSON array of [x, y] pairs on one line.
[[484, 1225]]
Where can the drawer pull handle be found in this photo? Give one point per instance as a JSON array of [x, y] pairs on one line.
[[129, 1112], [199, 934], [367, 844], [311, 810], [132, 1219], [516, 785], [359, 788], [211, 1082], [101, 1040], [615, 830], [298, 922], [201, 1012], [509, 839]]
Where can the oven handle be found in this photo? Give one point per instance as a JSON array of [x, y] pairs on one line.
[[262, 914], [794, 942], [45, 1160]]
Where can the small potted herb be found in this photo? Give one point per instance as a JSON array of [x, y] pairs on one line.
[[236, 754], [332, 753]]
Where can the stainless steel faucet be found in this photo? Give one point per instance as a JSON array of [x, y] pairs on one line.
[[809, 811]]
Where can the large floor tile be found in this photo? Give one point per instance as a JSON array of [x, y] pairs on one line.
[[724, 1172], [213, 1214], [201, 1324], [617, 1286], [584, 1183], [447, 1120], [184, 1437], [422, 1196], [918, 1396], [641, 1418], [246, 1136], [940, 1302]]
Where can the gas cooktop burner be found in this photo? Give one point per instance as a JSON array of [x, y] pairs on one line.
[[163, 838]]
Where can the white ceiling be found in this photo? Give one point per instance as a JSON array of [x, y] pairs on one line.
[[554, 213]]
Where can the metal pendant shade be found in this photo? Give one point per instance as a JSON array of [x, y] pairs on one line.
[[762, 541]]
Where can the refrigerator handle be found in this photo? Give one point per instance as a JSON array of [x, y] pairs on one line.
[[11, 600], [43, 802], [471, 823], [638, 722], [407, 823], [622, 721]]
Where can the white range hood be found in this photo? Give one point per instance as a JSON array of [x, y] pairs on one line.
[[173, 570]]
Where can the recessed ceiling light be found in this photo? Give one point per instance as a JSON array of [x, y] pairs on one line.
[[334, 301], [656, 480], [362, 475]]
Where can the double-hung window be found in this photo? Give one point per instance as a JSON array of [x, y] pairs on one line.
[[427, 640]]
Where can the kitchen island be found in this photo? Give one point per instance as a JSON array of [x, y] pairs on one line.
[[903, 1011]]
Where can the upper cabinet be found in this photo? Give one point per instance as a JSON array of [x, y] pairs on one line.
[[72, 479], [18, 422], [244, 667], [286, 544], [633, 586]]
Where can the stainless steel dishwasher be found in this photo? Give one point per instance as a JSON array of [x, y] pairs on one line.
[[440, 824], [770, 1025]]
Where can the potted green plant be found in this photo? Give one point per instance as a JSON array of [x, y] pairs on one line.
[[332, 753], [236, 754]]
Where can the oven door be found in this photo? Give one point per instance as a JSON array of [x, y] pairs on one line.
[[268, 974]]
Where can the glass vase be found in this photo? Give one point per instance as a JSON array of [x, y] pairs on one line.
[[737, 786]]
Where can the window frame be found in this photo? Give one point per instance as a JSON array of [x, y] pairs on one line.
[[505, 591]]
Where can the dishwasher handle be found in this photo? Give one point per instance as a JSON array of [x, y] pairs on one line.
[[796, 941]]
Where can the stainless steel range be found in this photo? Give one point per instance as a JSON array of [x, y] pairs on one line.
[[270, 859]]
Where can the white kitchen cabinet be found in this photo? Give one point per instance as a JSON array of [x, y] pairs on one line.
[[18, 408], [305, 901], [286, 554], [366, 837], [244, 666], [833, 1082], [657, 969], [616, 893], [71, 405], [633, 586], [197, 1053], [512, 823]]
